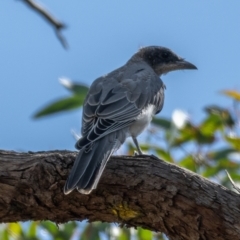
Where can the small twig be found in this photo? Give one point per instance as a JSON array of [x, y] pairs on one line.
[[50, 19], [61, 38], [233, 183]]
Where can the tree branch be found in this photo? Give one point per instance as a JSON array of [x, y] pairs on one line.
[[57, 25], [134, 191]]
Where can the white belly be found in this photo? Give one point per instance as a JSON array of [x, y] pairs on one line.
[[142, 121]]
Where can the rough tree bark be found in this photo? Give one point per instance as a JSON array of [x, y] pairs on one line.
[[133, 191]]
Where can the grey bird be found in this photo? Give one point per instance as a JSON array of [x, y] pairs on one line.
[[118, 105]]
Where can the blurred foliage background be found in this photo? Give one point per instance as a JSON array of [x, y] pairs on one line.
[[208, 147]]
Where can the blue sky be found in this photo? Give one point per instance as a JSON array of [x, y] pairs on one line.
[[102, 36]]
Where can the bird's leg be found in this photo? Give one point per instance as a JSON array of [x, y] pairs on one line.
[[137, 146], [139, 151]]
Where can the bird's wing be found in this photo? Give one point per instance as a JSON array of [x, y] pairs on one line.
[[113, 104]]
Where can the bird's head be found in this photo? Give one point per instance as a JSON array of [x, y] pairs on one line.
[[163, 60]]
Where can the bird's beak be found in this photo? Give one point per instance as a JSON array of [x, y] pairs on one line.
[[182, 64], [179, 64]]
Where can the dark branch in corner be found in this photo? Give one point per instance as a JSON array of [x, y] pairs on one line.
[[58, 26]]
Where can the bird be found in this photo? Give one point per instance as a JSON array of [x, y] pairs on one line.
[[119, 105]]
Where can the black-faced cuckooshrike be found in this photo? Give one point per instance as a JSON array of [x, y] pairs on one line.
[[118, 105]]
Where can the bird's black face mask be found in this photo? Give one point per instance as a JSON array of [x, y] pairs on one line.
[[163, 60]]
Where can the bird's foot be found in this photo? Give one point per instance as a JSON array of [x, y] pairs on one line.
[[136, 153]]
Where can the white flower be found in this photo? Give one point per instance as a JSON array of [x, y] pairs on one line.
[[66, 82], [180, 118]]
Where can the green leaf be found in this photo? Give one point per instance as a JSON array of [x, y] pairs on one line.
[[60, 232], [32, 230], [61, 105], [221, 165], [68, 229], [226, 164], [75, 88], [144, 234], [221, 154], [234, 141], [211, 124], [162, 122], [124, 234], [188, 162], [192, 133], [204, 139], [15, 229], [92, 231], [232, 94], [80, 90], [4, 234], [159, 236], [211, 171], [186, 134], [165, 155], [50, 227], [224, 115]]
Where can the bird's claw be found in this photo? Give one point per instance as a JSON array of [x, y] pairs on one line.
[[136, 153]]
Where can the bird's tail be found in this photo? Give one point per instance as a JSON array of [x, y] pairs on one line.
[[89, 165]]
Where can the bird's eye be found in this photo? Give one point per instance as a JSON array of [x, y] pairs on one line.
[[165, 55]]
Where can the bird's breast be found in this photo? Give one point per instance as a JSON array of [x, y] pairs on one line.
[[142, 121]]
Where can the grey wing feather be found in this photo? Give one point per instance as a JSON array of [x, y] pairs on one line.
[[113, 104]]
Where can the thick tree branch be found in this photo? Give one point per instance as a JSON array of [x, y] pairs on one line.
[[136, 191], [57, 25]]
